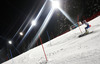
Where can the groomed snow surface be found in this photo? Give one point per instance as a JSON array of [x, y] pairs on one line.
[[66, 49]]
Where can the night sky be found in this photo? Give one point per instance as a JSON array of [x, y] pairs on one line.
[[14, 12]]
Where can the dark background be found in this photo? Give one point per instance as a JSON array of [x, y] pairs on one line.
[[14, 12]]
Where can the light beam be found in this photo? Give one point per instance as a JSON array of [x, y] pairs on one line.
[[24, 37], [39, 14], [67, 16], [45, 23], [36, 19]]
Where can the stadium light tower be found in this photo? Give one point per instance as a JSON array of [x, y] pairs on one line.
[[55, 4]]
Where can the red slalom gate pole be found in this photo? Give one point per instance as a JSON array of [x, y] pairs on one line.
[[78, 23], [43, 48], [37, 43]]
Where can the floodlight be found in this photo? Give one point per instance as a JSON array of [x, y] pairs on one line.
[[10, 42], [21, 33], [33, 23], [55, 3]]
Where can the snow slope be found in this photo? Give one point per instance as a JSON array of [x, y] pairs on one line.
[[66, 49]]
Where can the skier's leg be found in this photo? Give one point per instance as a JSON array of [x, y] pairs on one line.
[[86, 29]]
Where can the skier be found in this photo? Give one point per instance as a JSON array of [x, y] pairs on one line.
[[86, 28], [87, 25]]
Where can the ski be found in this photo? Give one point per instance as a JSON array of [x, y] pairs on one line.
[[85, 34]]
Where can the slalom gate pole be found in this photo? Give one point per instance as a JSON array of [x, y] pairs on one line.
[[78, 23], [48, 35], [11, 56], [52, 35], [43, 48], [8, 56], [37, 43]]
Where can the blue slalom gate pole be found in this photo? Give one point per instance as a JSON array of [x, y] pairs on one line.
[[48, 35], [11, 56]]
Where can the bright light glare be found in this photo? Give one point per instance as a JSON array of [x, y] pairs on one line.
[[33, 23], [42, 28], [67, 16], [10, 42], [37, 17], [21, 33], [55, 4]]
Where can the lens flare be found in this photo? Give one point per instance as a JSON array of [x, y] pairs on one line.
[[45, 23]]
